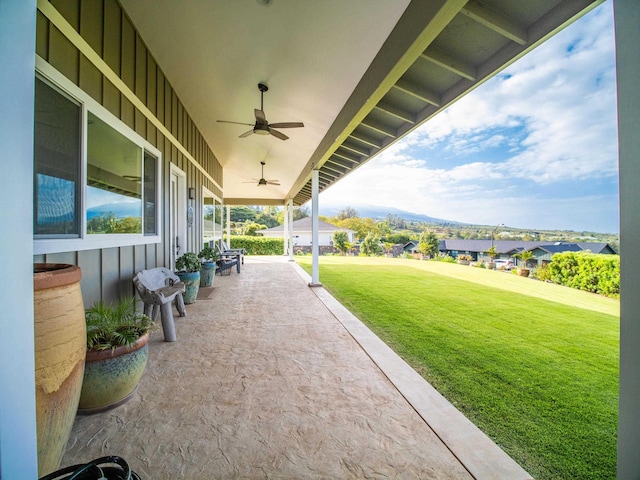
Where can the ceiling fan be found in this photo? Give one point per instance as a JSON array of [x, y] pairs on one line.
[[262, 181], [262, 127]]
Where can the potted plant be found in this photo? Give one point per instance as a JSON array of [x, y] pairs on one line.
[[209, 258], [117, 353], [524, 256], [463, 259], [188, 269], [492, 253]]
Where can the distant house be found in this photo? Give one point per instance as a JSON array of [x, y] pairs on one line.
[[302, 233], [542, 251], [410, 247]]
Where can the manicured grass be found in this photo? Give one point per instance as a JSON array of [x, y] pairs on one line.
[[539, 377]]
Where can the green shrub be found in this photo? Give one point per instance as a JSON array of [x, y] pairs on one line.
[[258, 245], [543, 273], [370, 246], [443, 257], [587, 271]]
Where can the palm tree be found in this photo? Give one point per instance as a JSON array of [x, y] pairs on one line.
[[525, 255], [492, 253]]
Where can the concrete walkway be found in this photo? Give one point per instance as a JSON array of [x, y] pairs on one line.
[[272, 379]]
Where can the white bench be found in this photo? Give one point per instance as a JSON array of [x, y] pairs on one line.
[[158, 287]]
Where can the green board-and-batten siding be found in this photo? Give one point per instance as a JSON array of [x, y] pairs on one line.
[[103, 24]]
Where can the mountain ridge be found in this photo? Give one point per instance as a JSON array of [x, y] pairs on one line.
[[379, 212]]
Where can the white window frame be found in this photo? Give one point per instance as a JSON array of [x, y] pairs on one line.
[[97, 241], [217, 235]]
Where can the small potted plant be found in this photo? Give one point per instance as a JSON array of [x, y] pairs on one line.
[[209, 258], [117, 353], [524, 256], [188, 269], [492, 254], [463, 259]]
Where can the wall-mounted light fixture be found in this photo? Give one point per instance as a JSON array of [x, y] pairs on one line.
[[192, 193]]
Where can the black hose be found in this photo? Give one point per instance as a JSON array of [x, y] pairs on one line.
[[98, 469]]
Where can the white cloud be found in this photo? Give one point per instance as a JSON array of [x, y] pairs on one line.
[[561, 100]]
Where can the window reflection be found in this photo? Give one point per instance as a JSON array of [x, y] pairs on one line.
[[114, 181], [56, 163]]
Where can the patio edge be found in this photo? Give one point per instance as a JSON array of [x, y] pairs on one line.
[[476, 452]]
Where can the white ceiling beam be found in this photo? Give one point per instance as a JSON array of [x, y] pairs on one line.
[[450, 63], [359, 136], [341, 162], [496, 21], [378, 127], [418, 92], [396, 112], [362, 151]]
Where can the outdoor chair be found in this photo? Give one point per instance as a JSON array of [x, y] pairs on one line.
[[230, 251], [228, 258], [158, 288]]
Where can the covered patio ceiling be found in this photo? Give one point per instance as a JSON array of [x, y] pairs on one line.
[[359, 74]]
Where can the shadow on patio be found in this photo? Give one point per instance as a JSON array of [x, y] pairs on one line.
[[272, 379]]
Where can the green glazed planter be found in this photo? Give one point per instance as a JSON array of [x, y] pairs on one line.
[[191, 282], [207, 274], [112, 376]]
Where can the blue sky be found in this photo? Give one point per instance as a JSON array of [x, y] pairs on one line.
[[535, 147]]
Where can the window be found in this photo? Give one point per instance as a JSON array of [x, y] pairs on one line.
[[211, 216], [57, 186], [114, 181], [96, 182]]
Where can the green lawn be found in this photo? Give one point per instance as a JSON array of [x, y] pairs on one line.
[[534, 365]]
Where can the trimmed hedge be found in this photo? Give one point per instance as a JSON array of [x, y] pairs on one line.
[[258, 245], [587, 271]]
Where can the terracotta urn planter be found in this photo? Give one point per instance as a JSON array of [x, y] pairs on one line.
[[60, 348], [523, 272], [112, 376]]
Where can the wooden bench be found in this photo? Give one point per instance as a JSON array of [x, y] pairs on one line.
[[158, 288]]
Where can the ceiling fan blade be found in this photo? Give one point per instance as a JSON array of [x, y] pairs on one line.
[[236, 123], [246, 134], [273, 182], [287, 125], [260, 116], [278, 134]]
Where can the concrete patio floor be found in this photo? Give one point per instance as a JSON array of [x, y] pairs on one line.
[[270, 378]]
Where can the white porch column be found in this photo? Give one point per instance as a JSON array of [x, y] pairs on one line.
[[285, 229], [315, 270], [18, 451], [229, 226], [290, 233], [627, 19]]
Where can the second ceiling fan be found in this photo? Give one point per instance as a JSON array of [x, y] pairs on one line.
[[262, 126]]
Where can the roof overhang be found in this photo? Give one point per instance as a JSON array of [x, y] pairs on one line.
[[360, 74]]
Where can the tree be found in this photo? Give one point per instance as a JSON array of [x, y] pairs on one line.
[[492, 252], [300, 212], [341, 241], [396, 238], [251, 228], [361, 226], [395, 222], [524, 256], [267, 219], [347, 212], [241, 213], [428, 243], [370, 246]]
